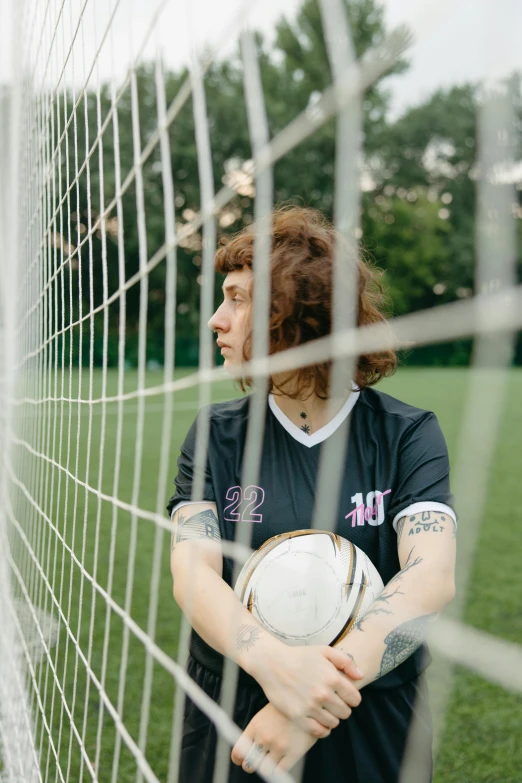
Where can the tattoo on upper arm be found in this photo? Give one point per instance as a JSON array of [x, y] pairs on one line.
[[403, 641], [203, 525], [247, 636], [425, 521]]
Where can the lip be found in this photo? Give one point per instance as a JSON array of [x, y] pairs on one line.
[[222, 345]]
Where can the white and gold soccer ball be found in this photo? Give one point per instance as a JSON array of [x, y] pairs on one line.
[[308, 586]]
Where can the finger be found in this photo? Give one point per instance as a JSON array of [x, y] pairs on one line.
[[285, 764], [254, 757], [269, 763], [337, 707], [347, 692], [344, 662], [313, 728], [240, 749], [325, 717]]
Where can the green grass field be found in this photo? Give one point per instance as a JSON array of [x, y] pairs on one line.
[[481, 743]]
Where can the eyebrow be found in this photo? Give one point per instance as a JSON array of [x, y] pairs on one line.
[[233, 287]]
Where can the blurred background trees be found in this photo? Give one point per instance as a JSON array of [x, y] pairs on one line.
[[418, 180]]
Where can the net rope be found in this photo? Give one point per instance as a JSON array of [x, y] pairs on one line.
[[52, 469]]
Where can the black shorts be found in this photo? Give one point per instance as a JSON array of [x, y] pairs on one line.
[[366, 748]]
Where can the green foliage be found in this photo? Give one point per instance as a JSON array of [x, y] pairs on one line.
[[407, 239], [434, 146], [295, 73], [417, 221]]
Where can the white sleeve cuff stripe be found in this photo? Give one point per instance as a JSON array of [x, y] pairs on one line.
[[188, 503], [425, 505]]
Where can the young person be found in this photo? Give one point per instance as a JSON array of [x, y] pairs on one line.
[[395, 504]]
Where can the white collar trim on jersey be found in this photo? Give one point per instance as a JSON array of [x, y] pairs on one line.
[[321, 434]]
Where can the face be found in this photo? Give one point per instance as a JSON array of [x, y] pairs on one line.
[[231, 320]]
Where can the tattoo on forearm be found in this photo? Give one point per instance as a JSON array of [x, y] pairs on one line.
[[410, 563], [374, 609], [403, 641], [202, 525], [382, 600], [378, 606], [426, 521], [247, 636]]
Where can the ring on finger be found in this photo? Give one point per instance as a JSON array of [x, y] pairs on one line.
[[254, 756]]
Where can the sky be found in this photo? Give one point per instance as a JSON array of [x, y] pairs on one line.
[[454, 41]]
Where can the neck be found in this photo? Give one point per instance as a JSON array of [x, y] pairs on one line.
[[310, 414]]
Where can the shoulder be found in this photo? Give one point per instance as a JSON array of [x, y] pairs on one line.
[[230, 417], [221, 414], [391, 411], [400, 428], [232, 409], [226, 421]]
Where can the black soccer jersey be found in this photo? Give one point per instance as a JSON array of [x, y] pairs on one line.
[[396, 464]]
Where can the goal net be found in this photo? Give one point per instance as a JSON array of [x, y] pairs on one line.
[[121, 164]]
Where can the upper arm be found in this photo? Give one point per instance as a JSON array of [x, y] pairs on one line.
[[195, 527], [422, 505], [427, 539], [196, 534], [189, 474]]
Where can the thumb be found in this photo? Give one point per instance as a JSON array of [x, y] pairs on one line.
[[344, 662]]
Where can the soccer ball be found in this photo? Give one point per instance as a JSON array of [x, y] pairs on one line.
[[308, 586]]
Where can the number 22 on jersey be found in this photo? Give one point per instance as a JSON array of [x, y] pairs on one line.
[[244, 504]]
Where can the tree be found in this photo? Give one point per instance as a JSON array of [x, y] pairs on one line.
[[433, 146], [417, 220], [407, 238], [294, 71]]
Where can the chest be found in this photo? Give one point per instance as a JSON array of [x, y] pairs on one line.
[[284, 497]]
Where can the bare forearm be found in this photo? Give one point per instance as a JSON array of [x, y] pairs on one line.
[[398, 622], [218, 616], [212, 608]]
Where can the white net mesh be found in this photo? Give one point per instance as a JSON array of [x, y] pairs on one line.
[[102, 224]]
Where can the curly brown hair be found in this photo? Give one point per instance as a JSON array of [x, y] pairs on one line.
[[302, 262]]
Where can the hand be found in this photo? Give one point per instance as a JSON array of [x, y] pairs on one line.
[[271, 742], [310, 685]]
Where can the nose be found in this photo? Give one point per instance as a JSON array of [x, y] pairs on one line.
[[219, 322]]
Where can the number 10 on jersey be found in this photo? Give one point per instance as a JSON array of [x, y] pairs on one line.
[[371, 512]]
